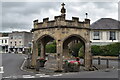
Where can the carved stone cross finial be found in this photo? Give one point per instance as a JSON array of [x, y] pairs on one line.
[[63, 10]]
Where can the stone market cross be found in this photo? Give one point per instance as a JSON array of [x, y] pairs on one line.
[[63, 32]]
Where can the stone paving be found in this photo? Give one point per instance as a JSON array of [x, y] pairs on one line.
[[51, 66]]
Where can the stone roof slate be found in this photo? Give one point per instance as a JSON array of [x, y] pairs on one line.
[[106, 23]]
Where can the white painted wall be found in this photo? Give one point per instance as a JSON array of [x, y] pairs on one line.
[[4, 38], [104, 37], [4, 44]]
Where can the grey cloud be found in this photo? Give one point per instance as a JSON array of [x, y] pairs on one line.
[[28, 8], [19, 15], [19, 26], [13, 4], [105, 5]]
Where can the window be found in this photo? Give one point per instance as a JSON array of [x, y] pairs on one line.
[[15, 37], [11, 42], [20, 37], [2, 41], [19, 41], [15, 43], [112, 35], [96, 35], [5, 41]]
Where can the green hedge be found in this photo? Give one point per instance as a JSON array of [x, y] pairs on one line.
[[106, 50]]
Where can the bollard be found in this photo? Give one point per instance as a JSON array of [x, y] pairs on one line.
[[37, 66], [28, 62], [107, 63], [99, 61]]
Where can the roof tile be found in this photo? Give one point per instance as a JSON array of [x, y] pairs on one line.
[[106, 23]]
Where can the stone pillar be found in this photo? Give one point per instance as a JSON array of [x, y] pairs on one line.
[[59, 55], [34, 54], [88, 56], [42, 54], [66, 52]]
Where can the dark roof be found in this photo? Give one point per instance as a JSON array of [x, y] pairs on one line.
[[105, 23], [4, 34]]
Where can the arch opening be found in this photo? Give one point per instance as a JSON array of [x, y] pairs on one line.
[[73, 46], [46, 46]]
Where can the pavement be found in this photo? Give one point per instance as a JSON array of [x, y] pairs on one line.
[[51, 65]]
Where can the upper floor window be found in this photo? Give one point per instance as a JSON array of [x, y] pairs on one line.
[[96, 35], [11, 37], [5, 41], [2, 41], [19, 41], [20, 37], [112, 35], [15, 37]]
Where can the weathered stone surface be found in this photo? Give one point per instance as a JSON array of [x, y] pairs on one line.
[[62, 31]]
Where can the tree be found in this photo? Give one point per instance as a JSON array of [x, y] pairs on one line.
[[81, 52], [51, 48], [75, 48]]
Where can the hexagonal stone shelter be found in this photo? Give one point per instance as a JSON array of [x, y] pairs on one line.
[[63, 32]]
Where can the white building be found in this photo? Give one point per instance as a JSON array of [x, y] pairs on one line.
[[105, 31], [4, 44]]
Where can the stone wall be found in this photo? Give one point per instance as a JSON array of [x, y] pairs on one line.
[[60, 30], [60, 21]]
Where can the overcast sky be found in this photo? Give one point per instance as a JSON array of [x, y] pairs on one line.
[[19, 16]]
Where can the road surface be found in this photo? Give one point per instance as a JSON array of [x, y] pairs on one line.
[[13, 62]]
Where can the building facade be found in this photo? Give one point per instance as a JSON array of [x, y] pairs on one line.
[[105, 31], [4, 44], [19, 41]]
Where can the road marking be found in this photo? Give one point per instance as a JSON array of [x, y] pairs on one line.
[[1, 69], [23, 65], [58, 75], [10, 77], [28, 76], [45, 76], [118, 69], [7, 77], [14, 76], [39, 74]]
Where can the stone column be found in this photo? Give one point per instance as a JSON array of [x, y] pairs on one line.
[[88, 56], [34, 54], [59, 55], [42, 54], [66, 52]]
